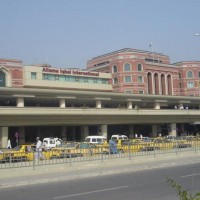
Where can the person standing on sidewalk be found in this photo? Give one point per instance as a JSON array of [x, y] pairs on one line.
[[39, 145]]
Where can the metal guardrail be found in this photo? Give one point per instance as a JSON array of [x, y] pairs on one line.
[[67, 155]]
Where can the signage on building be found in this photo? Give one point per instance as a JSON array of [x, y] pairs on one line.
[[69, 71]]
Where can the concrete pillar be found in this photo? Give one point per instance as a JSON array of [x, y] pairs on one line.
[[131, 131], [172, 130], [104, 130], [3, 137], [159, 84], [62, 103], [63, 133], [73, 133], [84, 132], [154, 130], [182, 128], [20, 102], [157, 105], [129, 105], [98, 103], [21, 139]]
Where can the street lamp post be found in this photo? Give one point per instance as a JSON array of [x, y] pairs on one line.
[[197, 34]]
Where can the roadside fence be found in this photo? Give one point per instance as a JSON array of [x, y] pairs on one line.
[[25, 155]]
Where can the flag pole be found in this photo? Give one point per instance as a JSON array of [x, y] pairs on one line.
[[151, 45]]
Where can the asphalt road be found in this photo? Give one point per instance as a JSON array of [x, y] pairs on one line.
[[141, 185]]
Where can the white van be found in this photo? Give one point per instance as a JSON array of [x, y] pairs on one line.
[[119, 137], [95, 139], [51, 142]]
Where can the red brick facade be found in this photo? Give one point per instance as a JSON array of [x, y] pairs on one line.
[[13, 70], [144, 72]]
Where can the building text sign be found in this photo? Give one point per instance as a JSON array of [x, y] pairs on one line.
[[69, 71]]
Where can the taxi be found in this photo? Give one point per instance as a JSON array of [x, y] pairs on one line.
[[88, 148], [17, 154], [25, 153], [71, 149], [136, 145], [79, 149]]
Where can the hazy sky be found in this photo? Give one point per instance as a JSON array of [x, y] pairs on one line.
[[67, 33]]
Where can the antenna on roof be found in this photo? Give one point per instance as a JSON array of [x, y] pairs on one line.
[[151, 46]]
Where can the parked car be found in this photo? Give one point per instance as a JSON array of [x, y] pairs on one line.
[[96, 139], [19, 153], [69, 150], [119, 137], [51, 142]]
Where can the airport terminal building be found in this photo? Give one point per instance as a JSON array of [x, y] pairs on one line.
[[123, 92]]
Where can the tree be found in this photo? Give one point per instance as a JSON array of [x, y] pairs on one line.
[[183, 194]]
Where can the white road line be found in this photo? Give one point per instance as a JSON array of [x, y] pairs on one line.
[[190, 175], [95, 191]]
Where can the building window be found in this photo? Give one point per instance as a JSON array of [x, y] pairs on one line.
[[190, 74], [199, 75], [85, 79], [70, 79], [61, 78], [128, 91], [115, 69], [127, 67], [76, 79], [127, 79], [141, 92], [115, 80], [33, 75], [95, 80], [180, 75], [191, 95], [139, 67], [104, 81], [2, 79], [140, 79], [56, 77], [190, 84], [45, 76]]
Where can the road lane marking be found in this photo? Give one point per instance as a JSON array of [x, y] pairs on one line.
[[197, 174], [95, 191]]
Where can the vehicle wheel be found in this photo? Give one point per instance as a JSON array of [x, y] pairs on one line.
[[8, 159], [53, 157], [120, 151], [23, 159]]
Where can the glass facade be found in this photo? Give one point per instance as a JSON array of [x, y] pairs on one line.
[[80, 79]]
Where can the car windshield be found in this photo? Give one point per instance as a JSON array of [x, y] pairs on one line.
[[71, 145], [84, 145], [17, 148]]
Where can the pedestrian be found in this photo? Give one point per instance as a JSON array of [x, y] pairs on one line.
[[39, 146], [58, 142], [9, 144], [113, 146]]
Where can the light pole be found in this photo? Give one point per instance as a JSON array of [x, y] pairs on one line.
[[197, 34]]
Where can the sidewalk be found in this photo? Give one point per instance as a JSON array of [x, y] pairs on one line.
[[58, 172]]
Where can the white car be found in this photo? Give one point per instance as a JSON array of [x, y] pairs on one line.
[[119, 137], [51, 142], [95, 139]]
